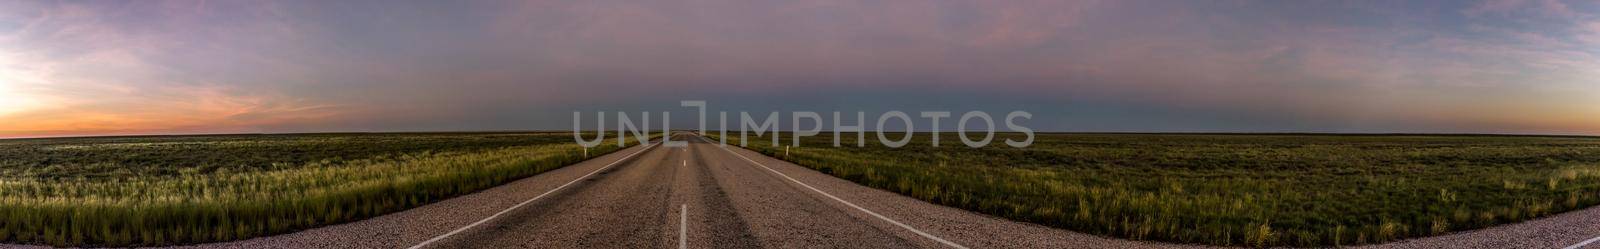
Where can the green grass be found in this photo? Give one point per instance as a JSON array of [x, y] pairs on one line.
[[164, 190], [1237, 190]]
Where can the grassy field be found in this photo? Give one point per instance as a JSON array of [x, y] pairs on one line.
[[123, 191], [1241, 190]]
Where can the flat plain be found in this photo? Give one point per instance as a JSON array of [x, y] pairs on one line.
[[164, 190], [1209, 189], [1228, 189]]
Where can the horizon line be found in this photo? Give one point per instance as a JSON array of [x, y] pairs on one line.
[[823, 132]]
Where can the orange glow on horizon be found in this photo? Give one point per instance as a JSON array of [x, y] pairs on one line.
[[199, 110]]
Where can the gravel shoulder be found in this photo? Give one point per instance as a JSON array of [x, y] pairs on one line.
[[1556, 231]]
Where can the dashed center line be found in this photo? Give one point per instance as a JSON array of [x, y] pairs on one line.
[[683, 227]]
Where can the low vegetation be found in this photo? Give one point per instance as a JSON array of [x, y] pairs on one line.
[[127, 191], [1237, 190]]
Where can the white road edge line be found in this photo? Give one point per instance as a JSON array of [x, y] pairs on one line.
[[853, 205], [491, 217], [683, 227], [1581, 244]]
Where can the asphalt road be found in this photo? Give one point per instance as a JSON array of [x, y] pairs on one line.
[[707, 196]]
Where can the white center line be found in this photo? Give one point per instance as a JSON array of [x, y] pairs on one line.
[[685, 163], [853, 205], [1581, 244], [683, 227], [491, 217]]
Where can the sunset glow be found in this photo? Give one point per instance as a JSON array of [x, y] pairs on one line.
[[10, 102], [12, 98], [172, 67]]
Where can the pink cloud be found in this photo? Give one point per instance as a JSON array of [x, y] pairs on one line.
[[1554, 8], [82, 74], [115, 73], [1590, 33]]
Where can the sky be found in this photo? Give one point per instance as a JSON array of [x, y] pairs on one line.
[[84, 68]]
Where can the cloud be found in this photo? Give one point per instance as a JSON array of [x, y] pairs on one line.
[[287, 66], [1550, 8], [1590, 33], [77, 69]]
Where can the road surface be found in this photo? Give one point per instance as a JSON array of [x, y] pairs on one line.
[[706, 195]]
